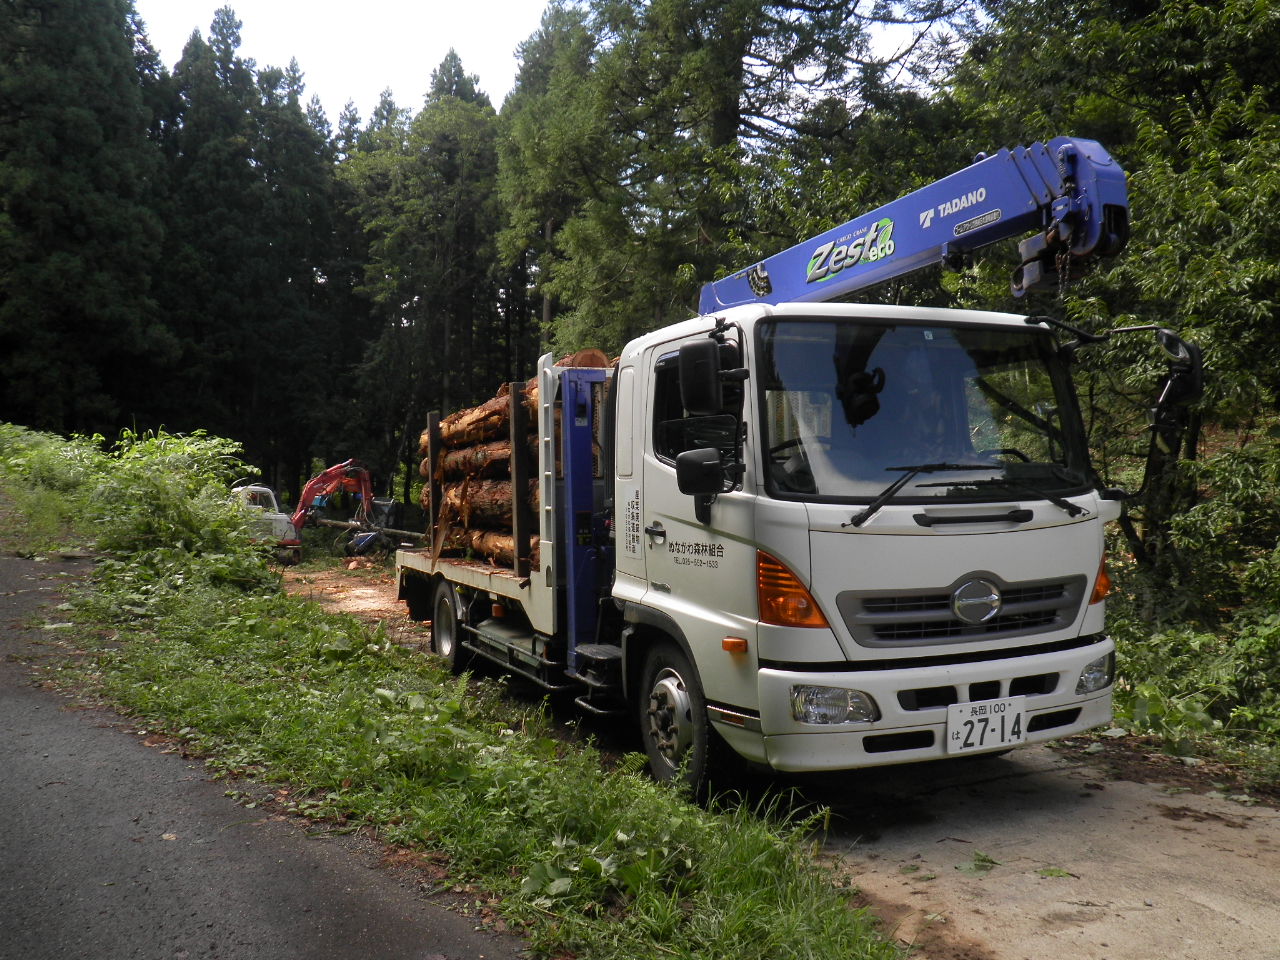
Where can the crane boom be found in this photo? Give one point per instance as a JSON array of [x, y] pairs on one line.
[[1071, 192]]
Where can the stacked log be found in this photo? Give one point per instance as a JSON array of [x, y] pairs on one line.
[[470, 459]]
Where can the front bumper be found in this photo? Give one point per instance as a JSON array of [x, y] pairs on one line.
[[913, 708]]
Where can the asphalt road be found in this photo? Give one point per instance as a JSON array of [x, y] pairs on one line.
[[113, 849]]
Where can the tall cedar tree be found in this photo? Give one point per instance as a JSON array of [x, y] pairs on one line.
[[425, 191], [250, 235], [78, 240], [637, 130]]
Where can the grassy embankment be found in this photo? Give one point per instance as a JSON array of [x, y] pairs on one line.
[[188, 631]]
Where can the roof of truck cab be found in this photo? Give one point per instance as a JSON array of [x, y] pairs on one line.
[[750, 314]]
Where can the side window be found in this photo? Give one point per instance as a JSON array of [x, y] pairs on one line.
[[668, 410], [674, 431]]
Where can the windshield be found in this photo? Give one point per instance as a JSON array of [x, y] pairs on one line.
[[850, 405]]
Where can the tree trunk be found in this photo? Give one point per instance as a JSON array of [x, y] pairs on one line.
[[484, 503], [495, 546]]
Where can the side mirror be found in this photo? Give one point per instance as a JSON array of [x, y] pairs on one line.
[[700, 472], [700, 390], [1185, 383], [1175, 348]]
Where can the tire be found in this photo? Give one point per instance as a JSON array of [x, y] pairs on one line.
[[446, 629], [672, 714]]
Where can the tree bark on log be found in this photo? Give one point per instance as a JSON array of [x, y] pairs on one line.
[[484, 423], [484, 503], [495, 546], [485, 460]]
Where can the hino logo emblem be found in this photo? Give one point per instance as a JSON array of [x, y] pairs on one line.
[[976, 601]]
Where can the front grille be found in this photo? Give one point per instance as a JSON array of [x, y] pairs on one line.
[[902, 606], [931, 698], [882, 618]]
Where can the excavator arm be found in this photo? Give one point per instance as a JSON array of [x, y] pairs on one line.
[[1070, 192], [350, 475]]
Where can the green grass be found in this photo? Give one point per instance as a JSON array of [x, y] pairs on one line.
[[600, 864], [194, 639]]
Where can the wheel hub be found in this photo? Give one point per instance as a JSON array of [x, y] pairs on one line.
[[670, 722]]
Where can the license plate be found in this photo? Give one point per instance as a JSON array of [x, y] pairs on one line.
[[986, 725]]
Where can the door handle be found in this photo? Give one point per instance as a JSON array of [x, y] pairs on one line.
[[657, 531]]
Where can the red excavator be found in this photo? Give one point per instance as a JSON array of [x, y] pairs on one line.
[[368, 532], [350, 476]]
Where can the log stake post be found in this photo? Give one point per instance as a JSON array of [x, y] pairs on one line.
[[435, 451], [522, 519]]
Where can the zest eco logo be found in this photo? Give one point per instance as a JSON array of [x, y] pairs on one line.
[[831, 257]]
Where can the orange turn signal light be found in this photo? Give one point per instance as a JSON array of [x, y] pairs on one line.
[[784, 601], [734, 644], [1101, 586]]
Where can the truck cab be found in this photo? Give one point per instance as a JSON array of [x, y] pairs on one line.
[[901, 526], [273, 526]]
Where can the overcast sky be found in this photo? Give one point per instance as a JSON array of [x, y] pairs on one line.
[[353, 51]]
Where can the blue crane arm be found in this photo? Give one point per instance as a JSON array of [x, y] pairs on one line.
[[1071, 192]]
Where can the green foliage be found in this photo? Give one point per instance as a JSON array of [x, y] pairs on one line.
[[78, 233], [164, 508], [156, 504], [1189, 683], [47, 477], [1200, 655], [1234, 531]]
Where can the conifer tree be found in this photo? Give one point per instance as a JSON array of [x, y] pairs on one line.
[[78, 238]]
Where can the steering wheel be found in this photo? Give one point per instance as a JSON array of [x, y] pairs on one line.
[[777, 448]]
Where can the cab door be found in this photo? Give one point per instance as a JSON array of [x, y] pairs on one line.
[[701, 574]]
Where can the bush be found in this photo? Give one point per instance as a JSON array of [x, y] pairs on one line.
[[47, 477], [157, 504]]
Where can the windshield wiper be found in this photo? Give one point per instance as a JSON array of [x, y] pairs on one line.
[[1073, 509], [891, 490]]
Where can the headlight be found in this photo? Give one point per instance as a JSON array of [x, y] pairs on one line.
[[811, 704], [1097, 675]]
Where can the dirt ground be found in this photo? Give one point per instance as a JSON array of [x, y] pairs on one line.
[[1097, 848], [363, 589], [1063, 852]]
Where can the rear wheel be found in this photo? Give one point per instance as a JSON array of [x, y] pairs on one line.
[[672, 712], [445, 627]]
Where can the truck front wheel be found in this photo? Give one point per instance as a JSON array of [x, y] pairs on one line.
[[445, 629], [673, 718]]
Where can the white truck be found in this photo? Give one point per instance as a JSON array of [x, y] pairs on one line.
[[827, 536], [274, 526]]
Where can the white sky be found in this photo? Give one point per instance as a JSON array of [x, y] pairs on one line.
[[353, 51]]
